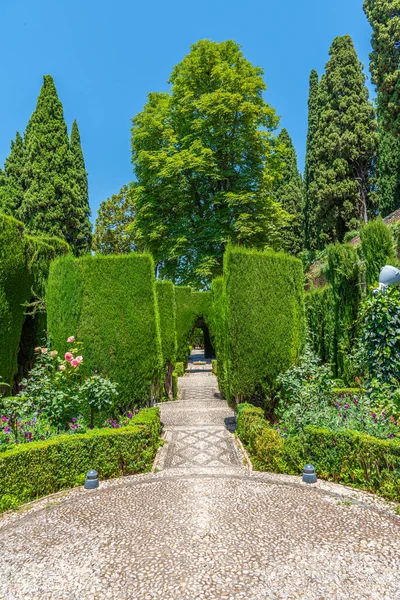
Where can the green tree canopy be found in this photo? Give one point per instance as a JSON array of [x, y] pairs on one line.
[[81, 191], [388, 172], [52, 201], [288, 191], [12, 178], [309, 199], [384, 17], [205, 161], [115, 215], [345, 145]]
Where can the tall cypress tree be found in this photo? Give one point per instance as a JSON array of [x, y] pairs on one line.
[[388, 172], [309, 198], [51, 203], [345, 145], [384, 17], [12, 178], [288, 191], [80, 180]]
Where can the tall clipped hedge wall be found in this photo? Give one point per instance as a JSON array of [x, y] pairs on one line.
[[109, 303], [264, 324], [189, 306], [24, 265], [167, 313]]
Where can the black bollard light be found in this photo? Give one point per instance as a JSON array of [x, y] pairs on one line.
[[92, 480], [309, 475]]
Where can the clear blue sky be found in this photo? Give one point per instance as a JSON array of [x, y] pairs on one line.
[[105, 56]]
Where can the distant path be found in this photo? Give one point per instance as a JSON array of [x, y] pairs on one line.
[[203, 526]]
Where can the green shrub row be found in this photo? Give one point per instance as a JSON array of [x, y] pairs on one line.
[[109, 303], [33, 470], [260, 311], [346, 457], [24, 265], [190, 307]]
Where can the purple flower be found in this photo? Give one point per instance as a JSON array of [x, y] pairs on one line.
[[73, 419], [347, 405], [4, 419], [373, 415], [7, 429], [130, 415]]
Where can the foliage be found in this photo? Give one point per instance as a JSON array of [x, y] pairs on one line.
[[377, 247], [115, 214], [190, 307], [180, 369], [197, 338], [309, 205], [289, 192], [99, 392], [347, 457], [40, 468], [345, 145], [381, 338], [125, 346], [388, 172], [343, 275], [12, 178], [53, 176], [79, 178], [175, 385], [214, 366], [308, 393], [167, 315], [205, 159], [384, 17], [263, 322]]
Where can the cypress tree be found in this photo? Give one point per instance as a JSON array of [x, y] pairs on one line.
[[345, 145], [309, 204], [384, 18], [79, 178], [12, 178], [288, 191], [388, 172], [51, 203]]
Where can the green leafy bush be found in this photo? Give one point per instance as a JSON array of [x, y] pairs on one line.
[[40, 468], [180, 369], [378, 248], [110, 303], [263, 319], [346, 457]]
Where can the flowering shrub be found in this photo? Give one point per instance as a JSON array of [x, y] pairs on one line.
[[308, 398]]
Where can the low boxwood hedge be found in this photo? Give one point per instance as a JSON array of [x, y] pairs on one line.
[[346, 457], [30, 471]]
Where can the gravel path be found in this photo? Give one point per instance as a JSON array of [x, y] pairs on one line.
[[202, 526]]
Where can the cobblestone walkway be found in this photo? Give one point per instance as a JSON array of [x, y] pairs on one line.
[[202, 526]]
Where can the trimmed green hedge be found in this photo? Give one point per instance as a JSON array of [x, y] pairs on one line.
[[346, 457], [189, 307], [41, 468], [24, 265], [320, 314], [220, 335], [167, 313], [109, 303], [264, 321]]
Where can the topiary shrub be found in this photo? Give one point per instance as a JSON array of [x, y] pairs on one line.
[[167, 313], [191, 306], [109, 303], [41, 468], [180, 369], [378, 248], [320, 317], [263, 319], [174, 385]]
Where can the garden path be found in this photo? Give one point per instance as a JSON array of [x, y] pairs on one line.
[[202, 526]]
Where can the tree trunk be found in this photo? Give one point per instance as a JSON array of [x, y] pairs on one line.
[[168, 381]]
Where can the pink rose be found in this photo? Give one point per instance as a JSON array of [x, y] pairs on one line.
[[71, 339], [68, 356], [79, 359], [61, 368], [74, 363]]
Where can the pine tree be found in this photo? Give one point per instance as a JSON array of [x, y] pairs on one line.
[[11, 178], [79, 178], [345, 145], [51, 203], [388, 172], [288, 191], [384, 18], [309, 195]]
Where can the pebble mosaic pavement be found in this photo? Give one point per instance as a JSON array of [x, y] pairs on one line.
[[202, 526]]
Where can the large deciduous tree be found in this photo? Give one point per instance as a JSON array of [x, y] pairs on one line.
[[345, 145], [384, 17], [309, 198], [289, 192], [52, 202], [115, 215], [205, 162]]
